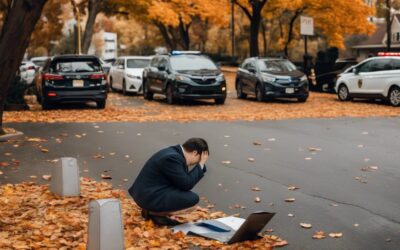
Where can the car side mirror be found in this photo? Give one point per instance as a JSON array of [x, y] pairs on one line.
[[356, 70], [161, 68]]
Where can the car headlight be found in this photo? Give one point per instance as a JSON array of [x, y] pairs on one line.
[[221, 78], [303, 78], [181, 78], [268, 78]]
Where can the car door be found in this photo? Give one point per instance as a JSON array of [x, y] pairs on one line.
[[355, 81], [161, 75], [246, 78], [374, 82], [120, 72], [151, 74], [252, 80]]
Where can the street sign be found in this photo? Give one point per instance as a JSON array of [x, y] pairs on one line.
[[307, 26]]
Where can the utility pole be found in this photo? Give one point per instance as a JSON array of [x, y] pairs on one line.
[[78, 26], [233, 27]]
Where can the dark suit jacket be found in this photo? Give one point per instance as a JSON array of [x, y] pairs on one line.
[[163, 173]]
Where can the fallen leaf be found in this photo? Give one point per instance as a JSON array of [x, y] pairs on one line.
[[36, 139], [98, 156], [271, 139], [308, 158], [292, 188], [319, 235], [255, 189], [86, 170], [312, 149], [290, 200], [257, 143], [373, 167], [1, 173], [46, 177], [112, 153], [306, 225], [33, 177], [227, 136], [257, 199], [106, 177], [4, 164], [290, 215], [335, 235], [251, 159], [334, 205], [226, 162], [125, 180], [360, 146], [44, 150], [8, 154], [78, 136], [356, 225]]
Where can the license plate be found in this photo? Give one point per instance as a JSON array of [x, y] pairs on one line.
[[77, 83], [289, 90]]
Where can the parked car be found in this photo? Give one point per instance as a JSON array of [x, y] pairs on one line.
[[184, 75], [126, 73], [268, 78], [27, 72], [39, 61], [326, 81], [373, 78], [71, 78]]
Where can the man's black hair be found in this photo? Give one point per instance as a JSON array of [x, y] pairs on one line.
[[198, 144]]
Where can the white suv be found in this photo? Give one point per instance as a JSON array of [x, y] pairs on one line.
[[126, 73], [376, 77]]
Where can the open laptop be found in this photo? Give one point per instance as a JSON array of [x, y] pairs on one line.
[[249, 230]]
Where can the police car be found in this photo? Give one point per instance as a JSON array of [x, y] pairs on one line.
[[374, 78]]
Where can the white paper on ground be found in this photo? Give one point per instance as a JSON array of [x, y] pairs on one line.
[[231, 221]]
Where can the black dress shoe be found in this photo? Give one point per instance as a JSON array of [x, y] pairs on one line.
[[164, 221]]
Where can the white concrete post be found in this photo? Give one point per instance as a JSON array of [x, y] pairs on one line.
[[65, 178], [106, 230]]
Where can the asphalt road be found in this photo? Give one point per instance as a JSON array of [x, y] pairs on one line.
[[335, 195]]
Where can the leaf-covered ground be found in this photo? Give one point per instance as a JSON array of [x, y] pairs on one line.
[[31, 217], [134, 108]]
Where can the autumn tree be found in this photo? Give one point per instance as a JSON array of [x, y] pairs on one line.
[[20, 20], [109, 8], [175, 19], [253, 10], [331, 19], [385, 9]]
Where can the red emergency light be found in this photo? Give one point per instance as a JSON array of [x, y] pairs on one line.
[[388, 53]]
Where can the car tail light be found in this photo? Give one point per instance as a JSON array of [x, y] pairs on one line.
[[98, 76], [31, 68], [51, 77], [51, 94]]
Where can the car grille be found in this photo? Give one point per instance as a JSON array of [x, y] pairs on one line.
[[288, 82], [203, 81]]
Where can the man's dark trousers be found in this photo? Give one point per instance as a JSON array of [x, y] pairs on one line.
[[164, 183]]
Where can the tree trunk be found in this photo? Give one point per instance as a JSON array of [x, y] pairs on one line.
[[18, 26], [255, 19], [290, 30], [184, 33], [165, 34], [94, 7], [254, 31], [389, 21], [264, 35]]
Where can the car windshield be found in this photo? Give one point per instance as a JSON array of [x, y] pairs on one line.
[[343, 65], [276, 66], [137, 63], [76, 66], [192, 62]]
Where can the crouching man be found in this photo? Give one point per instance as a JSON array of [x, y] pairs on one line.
[[164, 183]]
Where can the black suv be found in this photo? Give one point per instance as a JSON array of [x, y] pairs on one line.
[[268, 78], [326, 75], [71, 78], [184, 75]]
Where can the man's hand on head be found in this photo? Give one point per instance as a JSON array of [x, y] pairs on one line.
[[203, 159]]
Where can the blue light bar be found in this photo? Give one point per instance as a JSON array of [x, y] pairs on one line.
[[187, 52]]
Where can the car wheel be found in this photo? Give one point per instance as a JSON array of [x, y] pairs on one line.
[[343, 93], [260, 95], [124, 92], [111, 85], [220, 101], [101, 104], [239, 91], [302, 99], [147, 94], [394, 96], [170, 95]]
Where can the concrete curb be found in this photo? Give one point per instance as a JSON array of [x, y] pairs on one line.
[[6, 137]]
